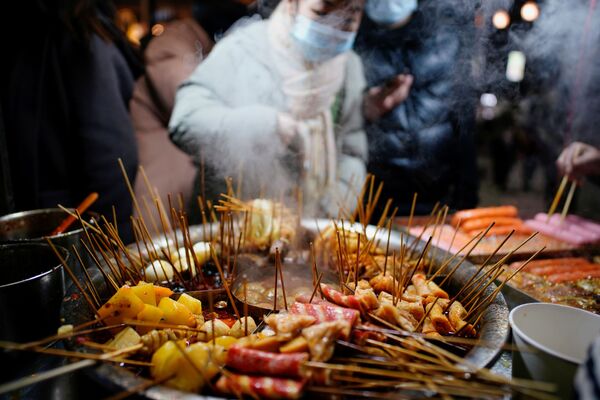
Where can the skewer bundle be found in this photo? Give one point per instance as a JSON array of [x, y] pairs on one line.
[[310, 333]]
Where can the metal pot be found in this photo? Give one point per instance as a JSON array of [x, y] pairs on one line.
[[33, 226], [32, 288]]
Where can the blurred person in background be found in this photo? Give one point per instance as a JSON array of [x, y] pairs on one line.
[[419, 117], [170, 58], [66, 83], [278, 102]]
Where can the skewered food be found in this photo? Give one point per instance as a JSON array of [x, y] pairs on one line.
[[260, 387], [573, 230]]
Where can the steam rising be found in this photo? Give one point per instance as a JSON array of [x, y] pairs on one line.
[[564, 49]]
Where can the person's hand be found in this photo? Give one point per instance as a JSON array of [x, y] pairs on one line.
[[287, 128], [379, 100], [578, 160]]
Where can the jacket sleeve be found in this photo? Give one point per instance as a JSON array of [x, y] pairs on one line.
[[352, 156], [204, 123], [172, 57], [101, 85]]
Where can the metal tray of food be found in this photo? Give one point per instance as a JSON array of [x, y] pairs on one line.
[[493, 331]]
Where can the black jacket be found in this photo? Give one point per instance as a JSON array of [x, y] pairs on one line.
[[65, 108], [425, 144]]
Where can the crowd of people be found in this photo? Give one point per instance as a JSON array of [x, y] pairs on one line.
[[314, 95]]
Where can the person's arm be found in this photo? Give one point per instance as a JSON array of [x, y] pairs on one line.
[[100, 85], [172, 57], [204, 123]]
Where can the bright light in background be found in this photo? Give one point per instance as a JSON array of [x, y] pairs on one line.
[[515, 68], [501, 19], [135, 32], [488, 100], [158, 29], [530, 11]]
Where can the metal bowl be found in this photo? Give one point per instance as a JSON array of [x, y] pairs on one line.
[[35, 225], [493, 330], [32, 287]]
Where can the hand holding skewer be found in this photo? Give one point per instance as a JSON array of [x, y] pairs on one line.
[[578, 160]]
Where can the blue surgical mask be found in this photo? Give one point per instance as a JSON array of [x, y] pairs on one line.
[[388, 12], [319, 42]]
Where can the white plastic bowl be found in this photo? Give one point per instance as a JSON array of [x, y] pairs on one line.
[[551, 341]]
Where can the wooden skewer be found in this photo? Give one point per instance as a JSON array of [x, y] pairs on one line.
[[225, 284], [89, 360], [245, 307], [88, 279], [557, 196], [412, 212], [489, 299], [73, 277], [83, 222], [278, 261], [130, 188], [466, 286], [421, 256], [498, 264], [387, 246], [567, 205], [276, 284], [81, 208], [449, 249], [317, 286], [357, 263], [42, 376], [462, 260]]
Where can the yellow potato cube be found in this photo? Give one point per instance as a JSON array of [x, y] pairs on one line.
[[145, 291], [161, 291], [124, 339], [225, 341], [165, 361], [193, 304], [176, 313], [151, 314], [123, 305], [169, 360]]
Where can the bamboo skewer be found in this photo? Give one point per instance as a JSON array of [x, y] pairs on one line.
[[42, 376], [483, 265], [317, 286], [88, 360], [412, 212], [279, 267], [557, 196], [73, 277], [568, 201], [462, 260], [245, 307], [225, 284]]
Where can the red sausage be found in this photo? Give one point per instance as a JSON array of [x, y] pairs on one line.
[[574, 276], [266, 363], [500, 211], [260, 387], [325, 312], [336, 297]]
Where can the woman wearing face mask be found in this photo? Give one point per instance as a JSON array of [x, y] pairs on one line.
[[419, 113], [278, 101]]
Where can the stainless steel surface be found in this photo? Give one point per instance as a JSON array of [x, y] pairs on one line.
[[32, 227], [494, 326]]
